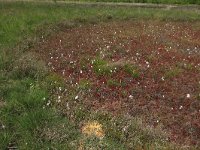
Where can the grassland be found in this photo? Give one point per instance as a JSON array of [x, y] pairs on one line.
[[29, 114], [147, 1]]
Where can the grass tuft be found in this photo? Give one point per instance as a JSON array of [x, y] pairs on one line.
[[173, 72], [101, 67], [132, 70]]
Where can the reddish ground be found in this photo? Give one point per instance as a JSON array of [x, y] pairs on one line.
[[167, 55]]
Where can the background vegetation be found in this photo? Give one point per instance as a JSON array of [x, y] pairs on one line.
[[149, 1], [28, 119]]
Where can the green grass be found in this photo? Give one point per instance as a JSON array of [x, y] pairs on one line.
[[84, 84], [22, 19], [26, 85], [173, 72], [25, 117], [114, 83], [132, 70], [101, 67], [146, 1]]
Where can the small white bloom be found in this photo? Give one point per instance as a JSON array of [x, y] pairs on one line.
[[181, 107], [3, 126], [76, 97], [60, 89], [130, 96], [68, 106], [188, 96], [48, 103], [163, 78]]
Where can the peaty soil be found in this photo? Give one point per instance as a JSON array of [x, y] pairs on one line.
[[166, 89]]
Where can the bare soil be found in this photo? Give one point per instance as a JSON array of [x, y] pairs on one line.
[[167, 57]]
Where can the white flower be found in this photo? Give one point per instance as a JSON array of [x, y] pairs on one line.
[[68, 106], [188, 96], [3, 126], [60, 88], [163, 78], [48, 103], [130, 96], [181, 107], [76, 97]]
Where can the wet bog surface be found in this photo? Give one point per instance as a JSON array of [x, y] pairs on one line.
[[145, 69]]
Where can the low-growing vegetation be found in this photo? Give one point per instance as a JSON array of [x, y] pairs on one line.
[[101, 67], [132, 70], [143, 1], [76, 78]]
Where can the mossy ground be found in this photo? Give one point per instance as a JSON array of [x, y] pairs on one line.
[[42, 107]]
